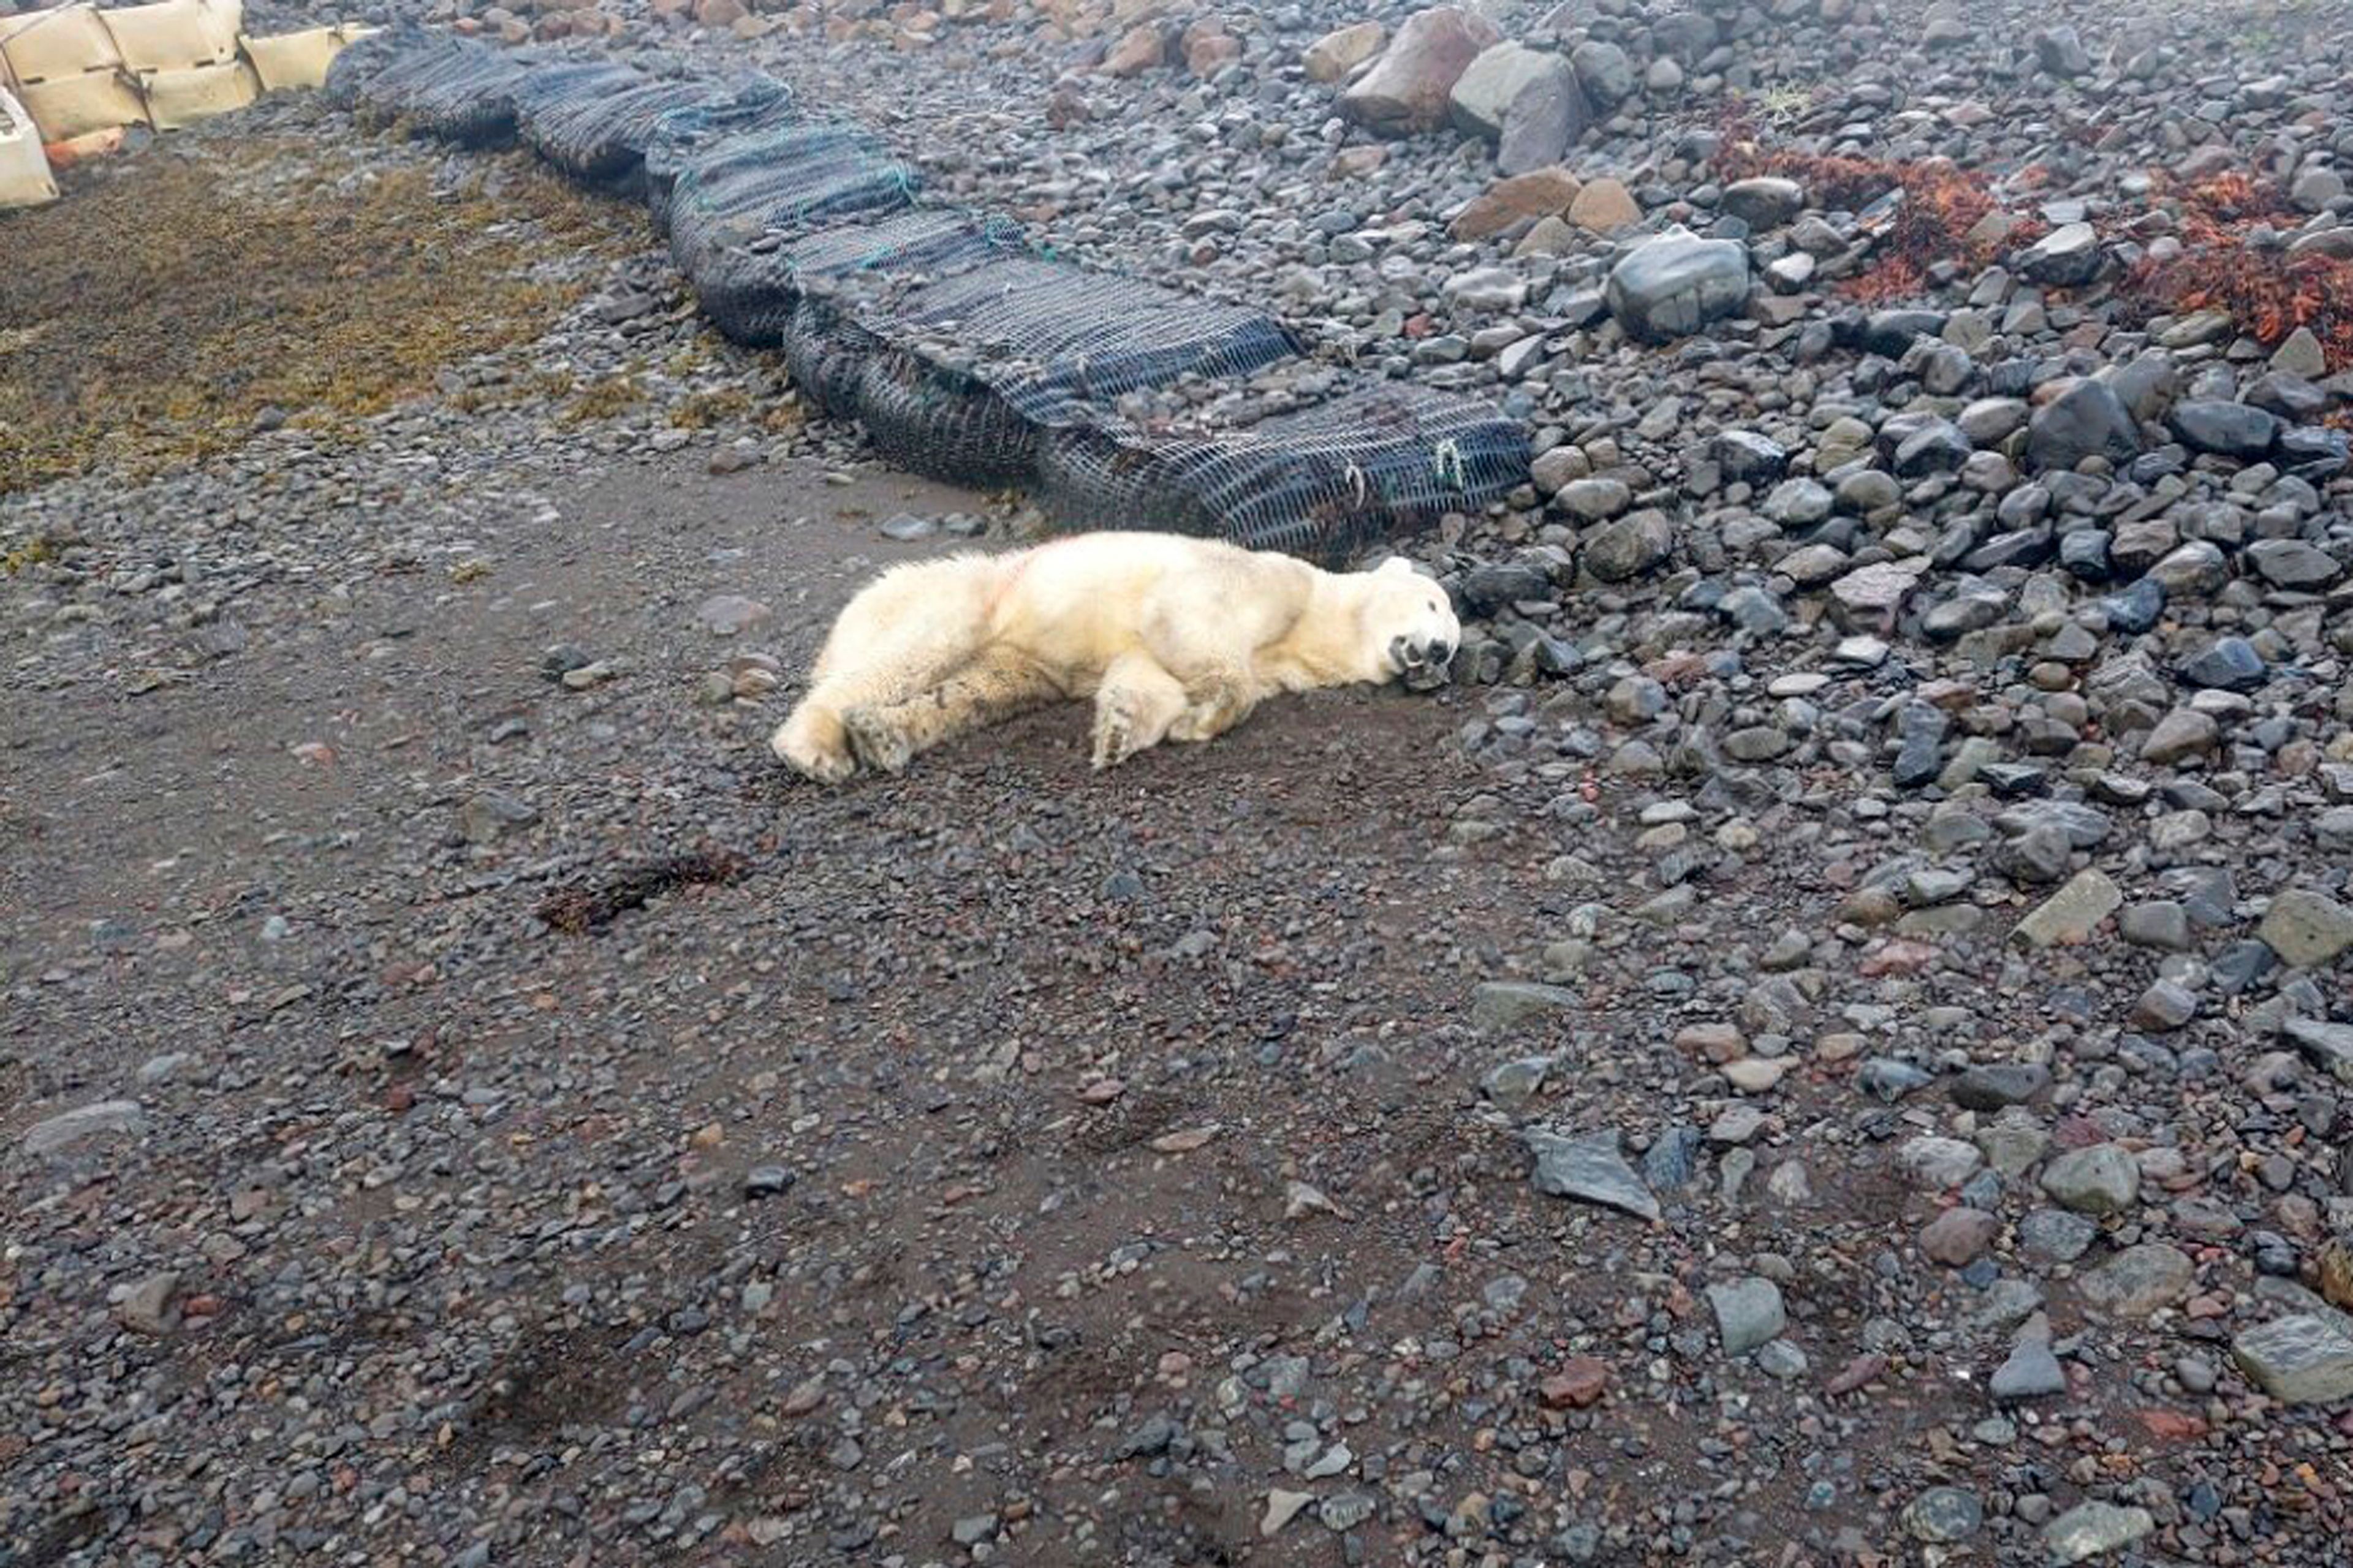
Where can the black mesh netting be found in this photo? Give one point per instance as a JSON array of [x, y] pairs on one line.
[[1053, 339], [1325, 484], [966, 355], [596, 127], [746, 106], [825, 351], [980, 364], [751, 294], [944, 423], [456, 90], [781, 181], [358, 62]]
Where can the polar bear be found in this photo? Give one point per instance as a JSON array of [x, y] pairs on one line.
[[1173, 638]]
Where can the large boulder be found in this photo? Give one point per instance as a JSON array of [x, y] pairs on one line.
[[1544, 121], [1409, 88], [1485, 91], [1331, 57], [1676, 284]]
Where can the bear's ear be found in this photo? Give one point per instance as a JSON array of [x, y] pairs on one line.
[[1396, 565]]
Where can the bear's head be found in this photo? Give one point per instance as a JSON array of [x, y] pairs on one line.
[[1409, 627]]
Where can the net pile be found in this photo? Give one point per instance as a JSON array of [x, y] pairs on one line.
[[752, 293], [359, 62], [1325, 484], [785, 180], [966, 354], [677, 138], [453, 88], [973, 369], [595, 127]]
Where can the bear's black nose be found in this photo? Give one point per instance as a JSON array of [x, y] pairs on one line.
[[1439, 651]]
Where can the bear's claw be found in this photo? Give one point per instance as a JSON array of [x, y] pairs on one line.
[[1114, 737], [878, 744]]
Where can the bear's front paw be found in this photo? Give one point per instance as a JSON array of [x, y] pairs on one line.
[[879, 745], [796, 751]]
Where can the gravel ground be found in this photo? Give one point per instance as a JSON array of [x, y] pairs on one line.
[[1832, 1041]]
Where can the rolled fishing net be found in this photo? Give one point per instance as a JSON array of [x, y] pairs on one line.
[[1325, 483]]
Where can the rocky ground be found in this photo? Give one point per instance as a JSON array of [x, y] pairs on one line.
[[1830, 1041]]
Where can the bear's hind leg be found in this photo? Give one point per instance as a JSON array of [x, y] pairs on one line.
[[1134, 707], [996, 684]]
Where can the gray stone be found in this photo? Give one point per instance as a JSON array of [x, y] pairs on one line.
[[1587, 1166], [488, 817], [2032, 1372], [2293, 563], [1942, 1515], [1748, 1313], [2297, 1360], [1543, 122], [1628, 547], [1991, 1085], [2307, 929], [2178, 736], [2059, 51], [1604, 72], [1498, 1004], [1676, 284], [1935, 1165], [726, 615], [152, 1306], [2086, 420], [2073, 912], [1483, 94], [2140, 1280], [64, 1131], [2066, 258], [2225, 430], [2101, 1180], [2163, 925], [2055, 1236], [2328, 1047], [2092, 1530], [1763, 203]]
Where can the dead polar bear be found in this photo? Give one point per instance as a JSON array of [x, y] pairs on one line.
[[1173, 638]]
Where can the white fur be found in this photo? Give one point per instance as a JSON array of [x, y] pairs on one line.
[[1173, 639]]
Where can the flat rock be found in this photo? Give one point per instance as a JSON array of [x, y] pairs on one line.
[[2140, 1280], [83, 1123], [1500, 1004], [2092, 1530], [1536, 193], [2307, 929], [1588, 1166], [2297, 1360], [2073, 912], [2328, 1047]]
